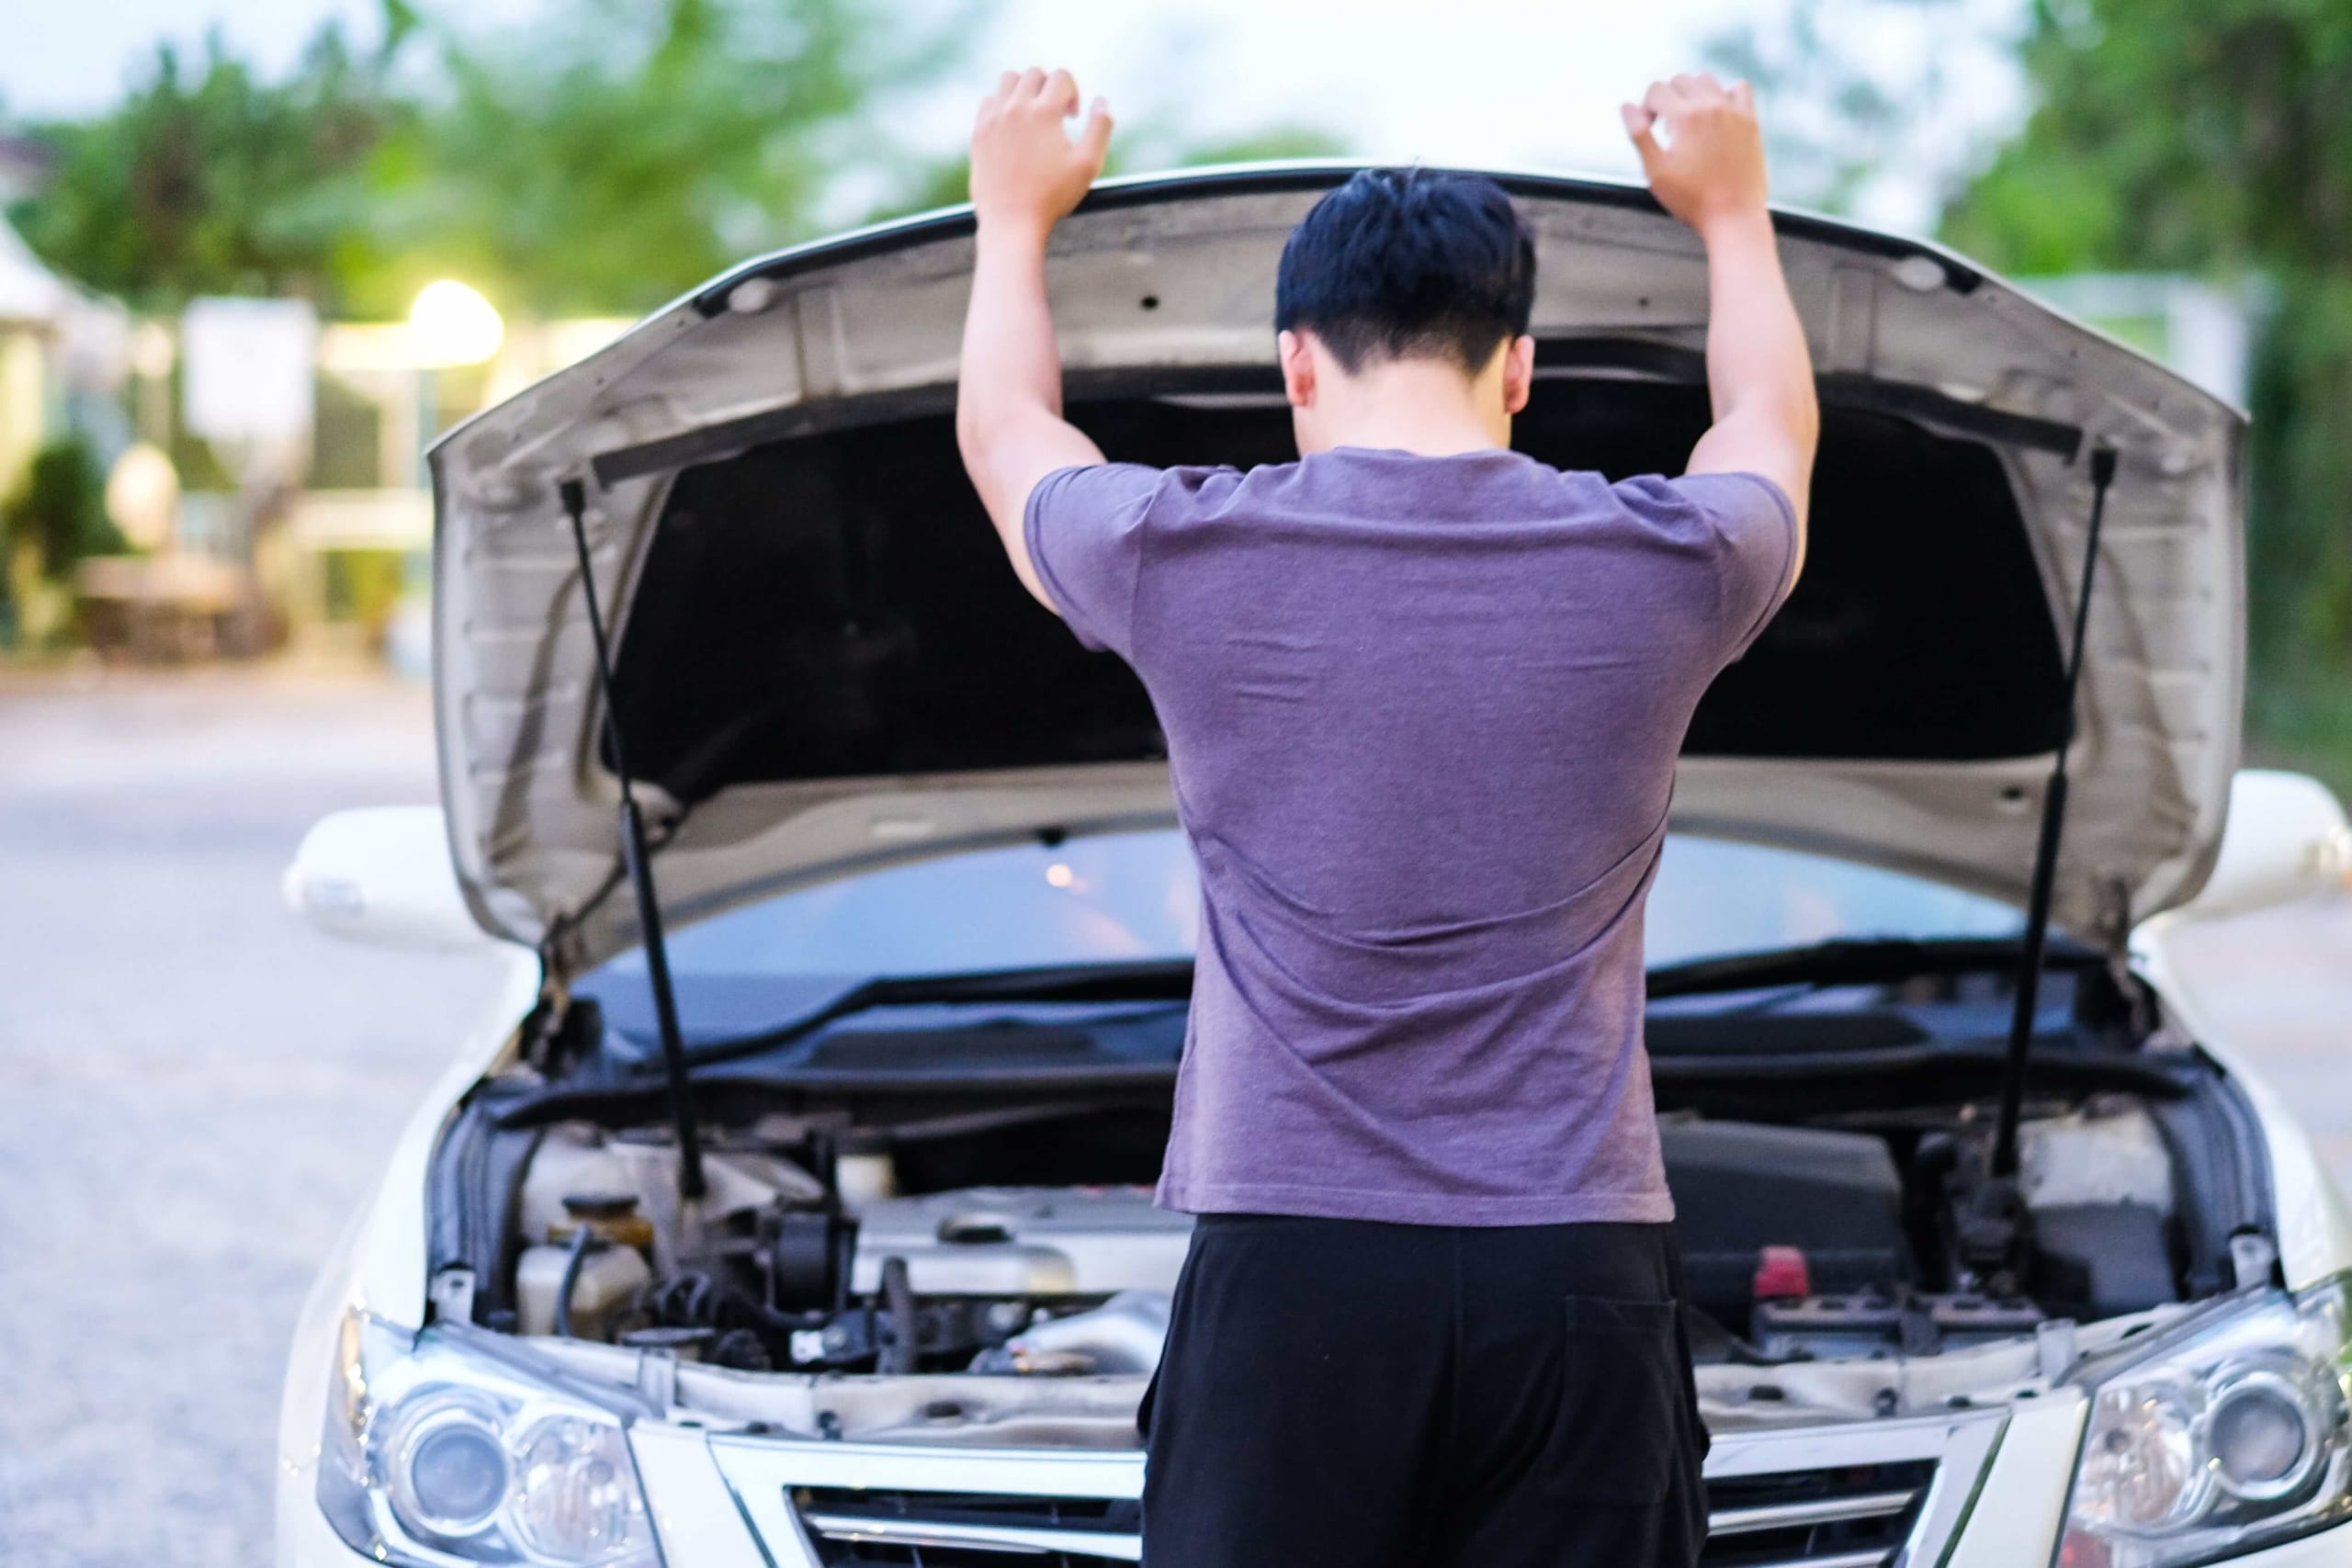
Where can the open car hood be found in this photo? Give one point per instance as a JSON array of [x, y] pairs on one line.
[[825, 665]]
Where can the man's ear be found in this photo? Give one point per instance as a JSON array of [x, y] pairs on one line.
[[1298, 368], [1519, 373]]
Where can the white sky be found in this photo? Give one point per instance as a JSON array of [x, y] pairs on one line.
[[1496, 81]]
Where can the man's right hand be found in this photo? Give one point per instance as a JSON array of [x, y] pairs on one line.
[[1027, 171], [1710, 167]]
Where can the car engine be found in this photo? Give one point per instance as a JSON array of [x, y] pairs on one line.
[[1800, 1243]]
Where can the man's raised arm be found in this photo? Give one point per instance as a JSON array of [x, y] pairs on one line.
[[1027, 172], [1710, 173]]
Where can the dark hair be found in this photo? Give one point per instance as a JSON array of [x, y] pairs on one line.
[[1408, 262]]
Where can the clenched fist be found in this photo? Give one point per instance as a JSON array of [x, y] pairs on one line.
[[1711, 165], [1027, 171]]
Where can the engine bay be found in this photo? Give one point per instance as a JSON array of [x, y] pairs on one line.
[[899, 1194], [823, 1248]]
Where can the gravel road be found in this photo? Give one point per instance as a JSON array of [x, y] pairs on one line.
[[195, 1089]]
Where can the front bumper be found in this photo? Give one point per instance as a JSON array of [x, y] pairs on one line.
[[719, 1500]]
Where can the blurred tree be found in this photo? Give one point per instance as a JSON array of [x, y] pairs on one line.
[[599, 159], [947, 182], [59, 513], [613, 154], [2212, 136], [2206, 137], [1874, 106], [209, 180], [1165, 148]]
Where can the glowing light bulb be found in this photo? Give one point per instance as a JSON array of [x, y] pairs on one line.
[[451, 324]]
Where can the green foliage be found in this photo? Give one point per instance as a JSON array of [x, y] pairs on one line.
[[947, 183], [1826, 117], [599, 159], [2212, 137], [207, 180], [61, 509], [1853, 91], [1282, 140], [364, 587], [612, 154]]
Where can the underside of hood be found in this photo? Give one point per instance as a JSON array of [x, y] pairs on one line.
[[825, 664]]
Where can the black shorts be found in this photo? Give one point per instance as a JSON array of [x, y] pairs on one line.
[[1337, 1394]]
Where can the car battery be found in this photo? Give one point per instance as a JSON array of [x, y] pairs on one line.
[[1741, 1187]]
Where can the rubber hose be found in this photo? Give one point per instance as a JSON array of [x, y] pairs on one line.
[[898, 1356], [581, 1239]]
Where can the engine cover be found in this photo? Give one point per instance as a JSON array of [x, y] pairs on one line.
[[1737, 1186], [1023, 1241]]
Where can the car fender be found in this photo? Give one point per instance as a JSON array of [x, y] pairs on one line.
[[389, 1274], [378, 1261], [2314, 1223]]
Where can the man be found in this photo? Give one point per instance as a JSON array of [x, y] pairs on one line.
[[1423, 697]]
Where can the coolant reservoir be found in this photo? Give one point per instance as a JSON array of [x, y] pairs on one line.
[[571, 1158], [610, 1278], [612, 1271]]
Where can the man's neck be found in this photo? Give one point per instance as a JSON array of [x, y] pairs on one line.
[[1424, 407]]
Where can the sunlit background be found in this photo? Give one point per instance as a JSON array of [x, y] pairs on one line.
[[2173, 171], [256, 252]]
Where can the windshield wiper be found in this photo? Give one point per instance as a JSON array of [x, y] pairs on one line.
[[1841, 961], [1148, 980], [1849, 962]]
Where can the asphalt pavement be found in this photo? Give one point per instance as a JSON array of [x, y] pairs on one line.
[[196, 1088]]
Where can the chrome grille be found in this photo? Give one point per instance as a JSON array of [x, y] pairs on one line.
[[1853, 1516], [1862, 1495], [931, 1529]]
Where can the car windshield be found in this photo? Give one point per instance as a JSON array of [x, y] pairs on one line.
[[1124, 898]]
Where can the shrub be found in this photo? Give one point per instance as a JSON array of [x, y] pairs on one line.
[[61, 508]]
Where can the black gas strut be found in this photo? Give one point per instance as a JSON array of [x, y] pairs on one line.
[[2045, 856], [640, 862]]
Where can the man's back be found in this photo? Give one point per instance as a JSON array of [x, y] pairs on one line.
[[1422, 714]]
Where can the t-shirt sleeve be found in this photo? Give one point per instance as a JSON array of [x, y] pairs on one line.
[[1085, 529], [1754, 531]]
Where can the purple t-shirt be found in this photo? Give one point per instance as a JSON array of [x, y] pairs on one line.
[[1422, 715]]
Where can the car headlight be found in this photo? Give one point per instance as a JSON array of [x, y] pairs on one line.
[[2223, 1435], [457, 1447]]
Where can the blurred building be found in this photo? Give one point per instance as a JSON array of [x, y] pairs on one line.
[[361, 531], [316, 491], [2204, 333], [32, 300]]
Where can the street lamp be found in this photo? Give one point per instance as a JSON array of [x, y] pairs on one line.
[[451, 324]]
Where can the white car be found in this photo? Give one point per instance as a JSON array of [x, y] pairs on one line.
[[812, 1230]]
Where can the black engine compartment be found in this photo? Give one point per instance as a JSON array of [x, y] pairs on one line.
[[1846, 1140]]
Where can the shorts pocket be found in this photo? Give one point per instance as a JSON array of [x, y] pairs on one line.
[[1619, 1421]]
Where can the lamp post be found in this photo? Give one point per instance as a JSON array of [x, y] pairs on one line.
[[449, 325]]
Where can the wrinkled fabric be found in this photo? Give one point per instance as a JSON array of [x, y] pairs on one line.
[[1424, 1396], [1421, 714]]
